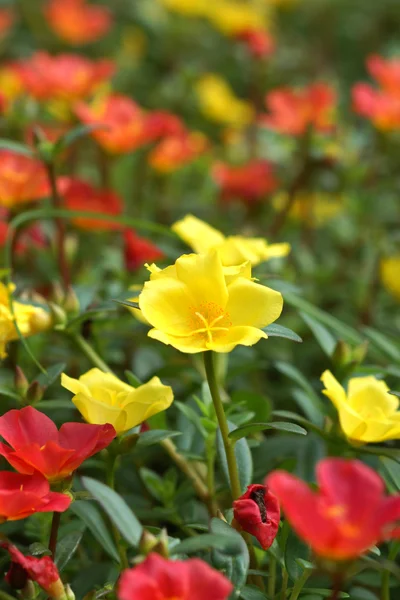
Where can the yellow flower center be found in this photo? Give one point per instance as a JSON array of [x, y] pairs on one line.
[[208, 321]]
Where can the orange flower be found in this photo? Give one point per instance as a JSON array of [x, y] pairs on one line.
[[22, 179], [76, 22], [80, 195], [250, 182], [294, 111], [6, 21], [64, 77], [381, 106], [259, 43], [174, 151]]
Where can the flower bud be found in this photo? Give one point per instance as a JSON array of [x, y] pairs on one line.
[[58, 315], [69, 593], [34, 392], [71, 302], [20, 381]]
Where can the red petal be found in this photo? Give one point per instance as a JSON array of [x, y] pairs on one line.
[[27, 426]]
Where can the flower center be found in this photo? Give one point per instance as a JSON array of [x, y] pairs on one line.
[[209, 320]]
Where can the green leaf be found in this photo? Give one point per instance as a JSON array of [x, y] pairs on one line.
[[321, 333], [53, 373], [383, 343], [275, 330], [192, 416], [67, 547], [92, 518], [55, 405], [127, 303], [149, 438], [132, 379], [16, 147], [251, 592], [241, 432], [244, 459], [76, 133], [323, 593], [235, 567], [4, 391], [392, 468], [294, 550], [116, 508], [225, 543], [315, 408]]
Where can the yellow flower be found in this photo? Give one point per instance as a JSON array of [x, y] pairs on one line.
[[233, 250], [189, 8], [313, 208], [232, 16], [390, 274], [367, 413], [196, 305], [30, 319], [103, 398], [10, 85], [218, 102]]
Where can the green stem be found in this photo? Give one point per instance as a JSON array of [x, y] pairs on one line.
[[300, 583], [55, 524], [285, 580], [223, 425], [385, 590], [112, 464], [89, 352], [272, 576]]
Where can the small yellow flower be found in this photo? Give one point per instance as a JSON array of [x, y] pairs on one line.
[[30, 319], [103, 398], [390, 275], [313, 208], [232, 16], [233, 250], [367, 413], [219, 103], [197, 305], [189, 8]]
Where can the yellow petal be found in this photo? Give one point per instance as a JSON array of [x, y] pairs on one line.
[[334, 390], [253, 304], [204, 277], [146, 401], [165, 303], [190, 344], [197, 234], [245, 336], [98, 413], [73, 385], [99, 379]]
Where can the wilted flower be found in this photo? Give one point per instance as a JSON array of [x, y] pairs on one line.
[[250, 182], [346, 516], [367, 412], [23, 495], [30, 319], [294, 111], [80, 195], [257, 512], [194, 306], [218, 102], [22, 179], [233, 250], [390, 274], [139, 250], [41, 570], [157, 577], [174, 151], [103, 398], [67, 77], [76, 21], [35, 444]]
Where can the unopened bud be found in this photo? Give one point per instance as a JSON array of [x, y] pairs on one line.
[[57, 295], [20, 381], [342, 354], [34, 393], [147, 542], [162, 545], [71, 302], [58, 315], [69, 593], [29, 591]]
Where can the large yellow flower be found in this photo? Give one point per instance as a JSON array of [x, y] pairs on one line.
[[30, 319], [197, 305], [367, 413], [390, 274], [219, 103], [233, 250], [103, 398]]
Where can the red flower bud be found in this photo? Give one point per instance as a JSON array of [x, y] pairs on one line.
[[257, 512]]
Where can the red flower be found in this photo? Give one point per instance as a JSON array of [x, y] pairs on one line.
[[349, 513], [161, 123], [139, 250], [293, 111], [80, 195], [22, 179], [160, 579], [24, 495], [66, 76], [76, 22], [257, 512], [36, 445], [174, 151], [124, 123], [42, 570], [259, 43], [6, 20], [249, 182], [381, 106]]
